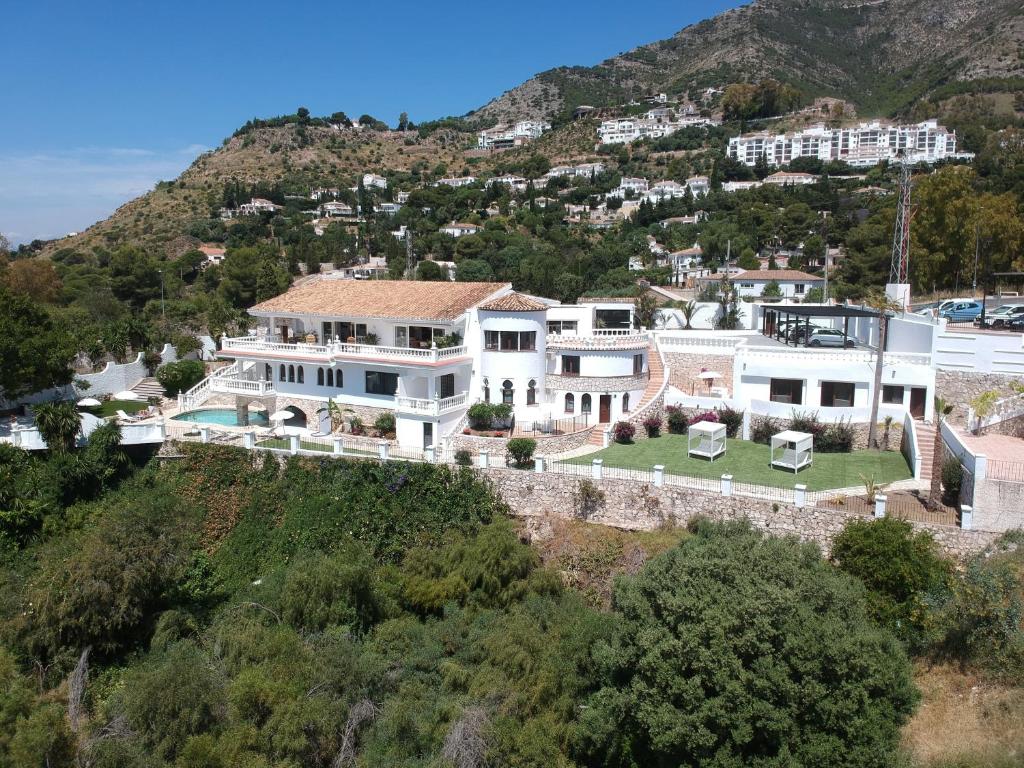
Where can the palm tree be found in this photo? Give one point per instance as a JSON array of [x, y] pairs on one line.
[[688, 310], [59, 425], [883, 305], [942, 410], [335, 413]]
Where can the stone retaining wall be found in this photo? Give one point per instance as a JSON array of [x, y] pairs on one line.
[[633, 505], [546, 446], [683, 370], [959, 388], [860, 433]]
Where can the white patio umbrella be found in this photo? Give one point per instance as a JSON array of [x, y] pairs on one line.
[[89, 402], [126, 395], [709, 375], [281, 415]]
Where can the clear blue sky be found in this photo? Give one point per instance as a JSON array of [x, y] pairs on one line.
[[102, 99]]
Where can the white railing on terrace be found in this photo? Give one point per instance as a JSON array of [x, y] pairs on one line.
[[667, 342], [832, 355], [431, 406], [625, 340], [237, 386], [245, 344], [201, 392], [613, 331]]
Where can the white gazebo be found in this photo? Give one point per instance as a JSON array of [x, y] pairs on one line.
[[705, 438], [792, 450]]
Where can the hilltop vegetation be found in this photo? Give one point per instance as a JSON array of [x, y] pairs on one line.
[[882, 56]]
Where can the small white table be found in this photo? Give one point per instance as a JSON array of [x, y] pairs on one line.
[[792, 450], [706, 438]]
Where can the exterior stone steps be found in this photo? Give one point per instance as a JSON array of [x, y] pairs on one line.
[[925, 448], [147, 388]]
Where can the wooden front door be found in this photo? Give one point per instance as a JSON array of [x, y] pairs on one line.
[[605, 409], [917, 401], [428, 435]]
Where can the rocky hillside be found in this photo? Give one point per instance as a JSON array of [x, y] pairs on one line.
[[880, 54]]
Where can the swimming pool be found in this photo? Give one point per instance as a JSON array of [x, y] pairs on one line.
[[225, 417]]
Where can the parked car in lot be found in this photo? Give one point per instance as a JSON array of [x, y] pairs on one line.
[[829, 337], [999, 316], [797, 331], [1014, 323], [961, 312]]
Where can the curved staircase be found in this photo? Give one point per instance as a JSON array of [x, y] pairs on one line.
[[655, 387]]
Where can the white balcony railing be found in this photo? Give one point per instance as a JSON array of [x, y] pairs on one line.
[[239, 386], [431, 406], [625, 340], [337, 350], [831, 355]]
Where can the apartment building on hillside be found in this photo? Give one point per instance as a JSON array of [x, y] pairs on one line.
[[862, 145], [508, 136]]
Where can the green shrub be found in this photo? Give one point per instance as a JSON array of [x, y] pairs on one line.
[[463, 457], [762, 428], [385, 424], [520, 450], [732, 419], [688, 651], [952, 480], [480, 415], [901, 568], [677, 420], [180, 376], [835, 438]]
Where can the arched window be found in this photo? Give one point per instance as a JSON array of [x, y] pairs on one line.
[[507, 393], [625, 402], [268, 372], [338, 379], [487, 391], [291, 373], [330, 377], [531, 393], [280, 376], [301, 377], [319, 377], [570, 403], [585, 404]]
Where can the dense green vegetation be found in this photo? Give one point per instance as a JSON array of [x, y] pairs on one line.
[[228, 610]]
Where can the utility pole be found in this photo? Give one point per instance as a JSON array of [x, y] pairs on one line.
[[410, 259], [899, 275], [162, 313], [977, 250]]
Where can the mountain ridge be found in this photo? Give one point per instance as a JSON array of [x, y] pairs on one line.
[[817, 45]]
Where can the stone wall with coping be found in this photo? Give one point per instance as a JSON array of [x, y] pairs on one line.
[[546, 446], [684, 367], [634, 505], [959, 388], [556, 381]]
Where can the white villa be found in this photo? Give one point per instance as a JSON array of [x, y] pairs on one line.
[[257, 206], [506, 136], [458, 229], [861, 145], [373, 180], [425, 351], [455, 181], [793, 283], [654, 124], [583, 170]]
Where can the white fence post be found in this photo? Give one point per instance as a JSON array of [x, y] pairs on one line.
[[339, 446], [606, 437], [746, 424], [384, 451], [249, 439], [880, 505], [727, 485], [293, 444], [595, 470], [966, 517], [538, 463], [204, 434], [16, 437], [659, 475], [485, 459], [800, 495], [429, 453], [980, 468], [163, 430]]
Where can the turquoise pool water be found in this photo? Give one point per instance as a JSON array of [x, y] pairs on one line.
[[225, 417]]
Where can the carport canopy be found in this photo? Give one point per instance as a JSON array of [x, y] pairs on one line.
[[774, 316]]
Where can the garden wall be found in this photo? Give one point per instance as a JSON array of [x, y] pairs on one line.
[[959, 388], [546, 446], [634, 505], [684, 368]]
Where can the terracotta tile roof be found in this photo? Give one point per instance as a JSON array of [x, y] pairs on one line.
[[514, 302], [392, 299]]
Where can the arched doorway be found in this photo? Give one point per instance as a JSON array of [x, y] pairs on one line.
[[298, 418]]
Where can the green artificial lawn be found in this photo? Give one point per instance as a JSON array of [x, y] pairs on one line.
[[284, 444], [111, 407], [748, 463]]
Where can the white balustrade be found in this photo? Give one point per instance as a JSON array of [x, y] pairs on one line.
[[333, 350], [624, 340], [431, 406]]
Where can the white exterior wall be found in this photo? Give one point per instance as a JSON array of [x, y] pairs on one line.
[[517, 367], [787, 287], [616, 414], [599, 363]]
